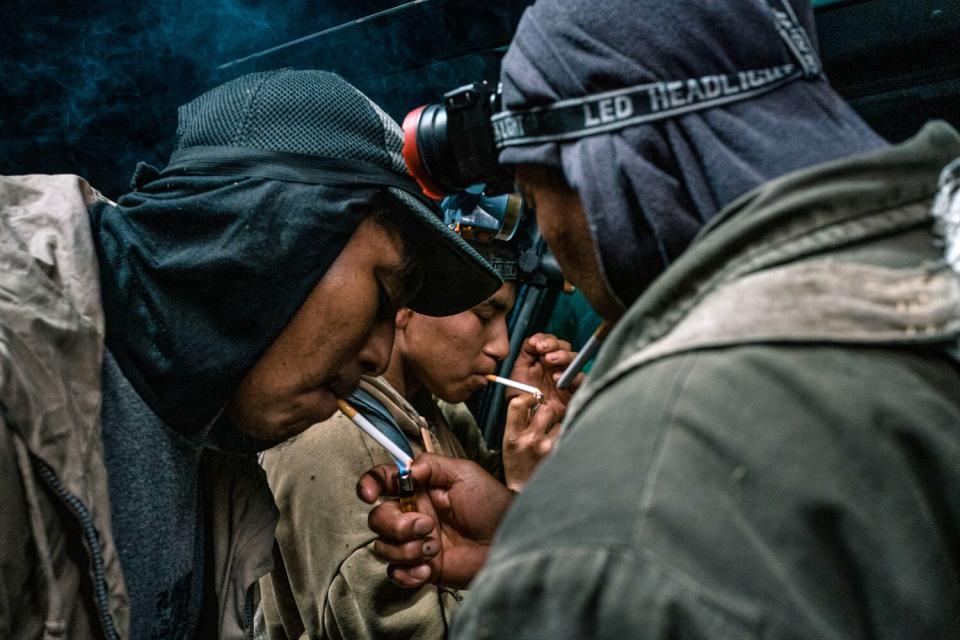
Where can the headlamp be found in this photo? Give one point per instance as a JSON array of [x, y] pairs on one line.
[[455, 143]]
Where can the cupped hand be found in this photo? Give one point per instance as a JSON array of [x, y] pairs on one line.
[[459, 506], [542, 358], [528, 437]]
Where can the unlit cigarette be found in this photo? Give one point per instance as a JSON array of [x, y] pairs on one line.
[[507, 382], [589, 350], [398, 454]]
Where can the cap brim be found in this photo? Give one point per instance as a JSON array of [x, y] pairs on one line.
[[456, 277]]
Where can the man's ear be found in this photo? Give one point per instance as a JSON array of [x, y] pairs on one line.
[[403, 317]]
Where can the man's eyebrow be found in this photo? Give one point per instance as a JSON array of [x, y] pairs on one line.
[[408, 272], [495, 305]]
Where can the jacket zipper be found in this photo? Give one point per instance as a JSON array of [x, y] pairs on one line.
[[455, 593], [93, 543], [248, 612]]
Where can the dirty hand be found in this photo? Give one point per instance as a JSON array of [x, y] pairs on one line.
[[528, 437], [459, 506], [541, 360]]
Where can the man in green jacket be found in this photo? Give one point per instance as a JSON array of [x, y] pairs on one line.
[[768, 445], [149, 346]]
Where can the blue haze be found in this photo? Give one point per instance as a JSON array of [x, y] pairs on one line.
[[92, 87]]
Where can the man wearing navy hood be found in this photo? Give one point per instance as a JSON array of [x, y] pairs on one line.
[[768, 445], [149, 346]]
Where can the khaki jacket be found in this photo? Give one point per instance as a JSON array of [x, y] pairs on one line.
[[768, 445], [61, 575], [328, 583]]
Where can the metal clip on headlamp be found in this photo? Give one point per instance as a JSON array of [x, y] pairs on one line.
[[483, 218]]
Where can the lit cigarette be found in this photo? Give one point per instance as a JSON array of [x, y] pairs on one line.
[[589, 350], [398, 454], [507, 382]]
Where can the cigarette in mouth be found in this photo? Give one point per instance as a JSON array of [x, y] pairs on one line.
[[507, 382], [403, 460]]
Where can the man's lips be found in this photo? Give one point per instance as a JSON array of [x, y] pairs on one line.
[[480, 378]]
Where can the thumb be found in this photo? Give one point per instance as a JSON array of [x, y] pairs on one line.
[[518, 413], [378, 481], [432, 471]]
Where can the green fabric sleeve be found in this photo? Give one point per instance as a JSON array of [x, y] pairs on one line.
[[739, 493]]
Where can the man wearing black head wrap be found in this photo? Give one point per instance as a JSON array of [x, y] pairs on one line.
[[238, 292], [769, 442], [330, 584]]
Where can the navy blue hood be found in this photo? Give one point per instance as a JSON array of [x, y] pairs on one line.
[[648, 189]]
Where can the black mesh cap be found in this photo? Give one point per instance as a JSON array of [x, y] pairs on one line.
[[298, 116]]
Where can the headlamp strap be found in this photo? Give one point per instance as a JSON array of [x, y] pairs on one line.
[[506, 269], [602, 112], [796, 38]]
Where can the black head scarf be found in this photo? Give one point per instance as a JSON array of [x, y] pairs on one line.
[[648, 189], [173, 256], [203, 265]]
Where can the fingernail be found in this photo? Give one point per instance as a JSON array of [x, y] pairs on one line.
[[420, 572], [553, 356], [556, 376], [422, 527], [430, 549]]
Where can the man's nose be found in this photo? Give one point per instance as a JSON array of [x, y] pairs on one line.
[[375, 353], [498, 342]]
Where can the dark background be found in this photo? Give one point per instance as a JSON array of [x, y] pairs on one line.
[[92, 87]]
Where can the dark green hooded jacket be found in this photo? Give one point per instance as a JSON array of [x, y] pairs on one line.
[[769, 443]]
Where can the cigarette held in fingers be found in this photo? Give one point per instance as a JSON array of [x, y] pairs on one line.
[[589, 350], [507, 382], [403, 460]]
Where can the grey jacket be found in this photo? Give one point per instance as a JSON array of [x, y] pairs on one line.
[[61, 576], [769, 442]]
